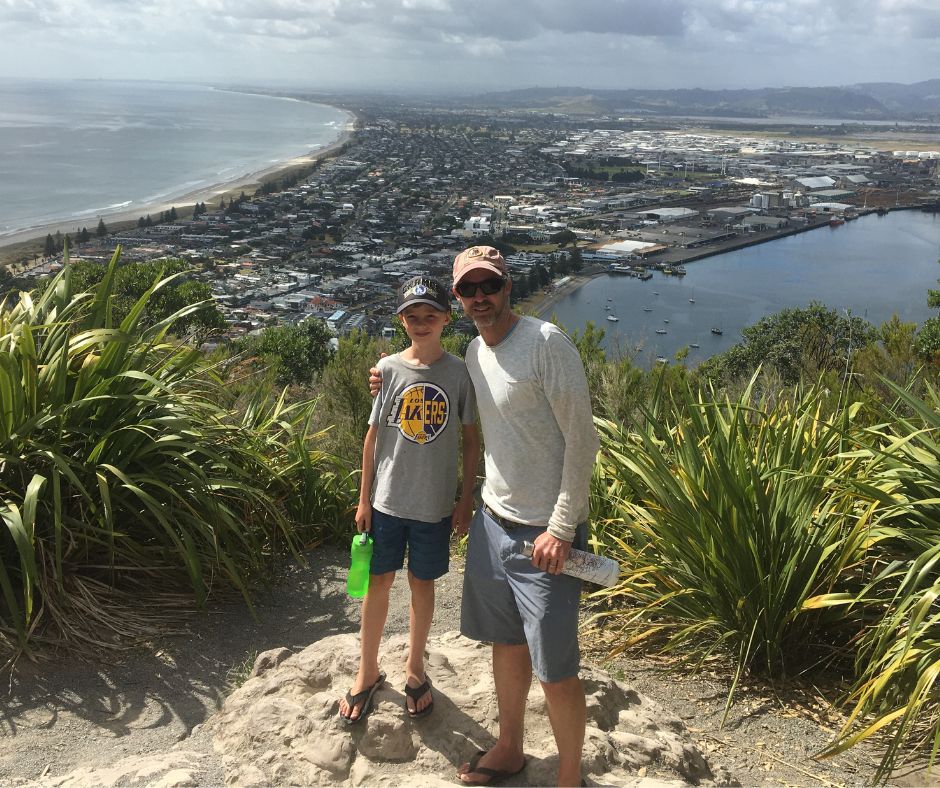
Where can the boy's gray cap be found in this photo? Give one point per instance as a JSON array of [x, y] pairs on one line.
[[423, 290]]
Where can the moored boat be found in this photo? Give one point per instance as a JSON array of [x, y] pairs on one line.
[[613, 318], [716, 331]]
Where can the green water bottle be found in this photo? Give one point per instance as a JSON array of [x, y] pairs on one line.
[[357, 582]]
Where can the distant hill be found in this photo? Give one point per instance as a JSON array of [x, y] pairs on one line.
[[867, 101]]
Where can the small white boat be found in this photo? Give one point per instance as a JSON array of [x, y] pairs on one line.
[[662, 360], [647, 309], [695, 344], [660, 330], [666, 320], [612, 318], [691, 300], [607, 307]]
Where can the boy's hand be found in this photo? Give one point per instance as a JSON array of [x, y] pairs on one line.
[[375, 378], [463, 514], [364, 517]]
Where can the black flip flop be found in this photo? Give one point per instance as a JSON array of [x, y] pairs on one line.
[[493, 776], [365, 698], [416, 693]]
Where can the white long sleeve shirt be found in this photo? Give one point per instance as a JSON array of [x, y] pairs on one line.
[[539, 438]]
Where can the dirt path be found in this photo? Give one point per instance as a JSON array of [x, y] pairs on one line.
[[73, 713]]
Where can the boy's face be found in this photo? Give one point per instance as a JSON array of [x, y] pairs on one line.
[[424, 323]]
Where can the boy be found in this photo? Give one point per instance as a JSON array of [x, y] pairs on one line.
[[409, 475]]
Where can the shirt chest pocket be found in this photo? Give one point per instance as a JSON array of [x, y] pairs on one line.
[[520, 396]]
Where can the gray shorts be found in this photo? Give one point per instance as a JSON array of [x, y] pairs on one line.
[[508, 601]]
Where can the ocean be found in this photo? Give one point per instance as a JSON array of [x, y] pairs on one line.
[[73, 151], [873, 267]]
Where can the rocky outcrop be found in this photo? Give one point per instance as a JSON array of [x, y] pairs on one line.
[[281, 727]]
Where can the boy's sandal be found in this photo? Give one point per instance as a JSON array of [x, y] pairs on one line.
[[363, 700], [416, 693]]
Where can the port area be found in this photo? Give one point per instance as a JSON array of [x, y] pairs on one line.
[[670, 258]]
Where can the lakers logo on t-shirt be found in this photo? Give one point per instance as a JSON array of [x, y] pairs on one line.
[[420, 412]]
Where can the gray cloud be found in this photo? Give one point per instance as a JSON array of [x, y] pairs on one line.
[[601, 43]]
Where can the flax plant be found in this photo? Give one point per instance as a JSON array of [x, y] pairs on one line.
[[898, 659], [315, 489], [122, 473], [727, 516]]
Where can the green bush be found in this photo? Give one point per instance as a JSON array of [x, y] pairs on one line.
[[898, 655], [727, 517], [123, 471]]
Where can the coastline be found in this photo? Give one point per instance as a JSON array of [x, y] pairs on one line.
[[22, 243]]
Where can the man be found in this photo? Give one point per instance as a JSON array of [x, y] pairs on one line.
[[539, 450]]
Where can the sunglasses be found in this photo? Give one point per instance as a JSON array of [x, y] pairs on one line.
[[488, 286]]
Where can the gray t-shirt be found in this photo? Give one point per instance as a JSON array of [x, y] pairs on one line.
[[418, 415]]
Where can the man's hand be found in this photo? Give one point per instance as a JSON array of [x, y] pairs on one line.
[[375, 378], [550, 553]]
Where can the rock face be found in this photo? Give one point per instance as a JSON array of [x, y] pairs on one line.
[[165, 770], [282, 727]]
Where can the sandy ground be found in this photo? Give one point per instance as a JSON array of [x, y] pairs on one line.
[[68, 713]]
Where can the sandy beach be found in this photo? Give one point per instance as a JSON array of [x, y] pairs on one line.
[[541, 304], [20, 244]]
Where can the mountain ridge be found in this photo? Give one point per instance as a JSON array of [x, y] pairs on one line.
[[862, 101]]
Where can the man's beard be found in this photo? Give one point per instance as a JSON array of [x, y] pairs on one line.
[[489, 319]]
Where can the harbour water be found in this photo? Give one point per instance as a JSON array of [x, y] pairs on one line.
[[73, 151], [873, 267]]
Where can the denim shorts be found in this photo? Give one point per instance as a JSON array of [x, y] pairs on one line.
[[428, 546], [509, 601]]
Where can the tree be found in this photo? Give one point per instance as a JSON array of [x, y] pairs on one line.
[[928, 337], [577, 263], [102, 230], [132, 280], [563, 238], [49, 246], [795, 343], [84, 236], [298, 353], [542, 275], [173, 215], [345, 403]]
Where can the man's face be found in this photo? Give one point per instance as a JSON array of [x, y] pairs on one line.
[[485, 310]]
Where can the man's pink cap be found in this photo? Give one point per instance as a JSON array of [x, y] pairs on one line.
[[485, 257]]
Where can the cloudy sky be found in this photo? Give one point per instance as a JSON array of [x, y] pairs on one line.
[[476, 44]]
